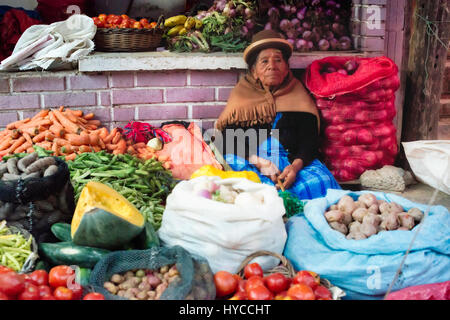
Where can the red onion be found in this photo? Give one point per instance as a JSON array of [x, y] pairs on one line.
[[249, 24], [301, 14], [268, 26], [248, 13], [295, 22], [300, 30], [324, 45], [351, 66], [342, 71], [291, 33], [301, 44], [306, 25], [334, 43], [307, 35], [291, 41], [345, 43], [285, 24], [204, 194]]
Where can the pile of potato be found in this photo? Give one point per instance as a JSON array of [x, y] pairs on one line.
[[142, 284], [30, 166], [367, 216]]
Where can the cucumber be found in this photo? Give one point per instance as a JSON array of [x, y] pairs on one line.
[[68, 253], [61, 230], [82, 276]]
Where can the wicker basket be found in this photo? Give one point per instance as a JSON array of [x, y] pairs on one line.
[[129, 39], [285, 267]]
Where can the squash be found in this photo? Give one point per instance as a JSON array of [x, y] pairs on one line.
[[103, 218], [209, 170]]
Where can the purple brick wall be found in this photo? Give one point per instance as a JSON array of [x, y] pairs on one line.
[[119, 97]]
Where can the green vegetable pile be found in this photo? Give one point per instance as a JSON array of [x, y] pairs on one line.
[[14, 248], [146, 184], [292, 203]]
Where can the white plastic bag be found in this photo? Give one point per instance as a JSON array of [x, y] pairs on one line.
[[223, 233], [430, 162]]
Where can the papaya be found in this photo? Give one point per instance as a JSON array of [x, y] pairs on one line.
[[175, 20], [103, 218]]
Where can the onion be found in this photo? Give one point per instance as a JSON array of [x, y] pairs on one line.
[[331, 70], [307, 35], [342, 71], [285, 25], [324, 45], [248, 13], [204, 194], [307, 25], [244, 31], [345, 43], [295, 22], [300, 30], [291, 33], [334, 43], [301, 44], [301, 14], [249, 24], [351, 66], [273, 11], [268, 26], [291, 41]]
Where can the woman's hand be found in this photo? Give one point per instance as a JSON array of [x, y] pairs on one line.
[[266, 167], [289, 173]]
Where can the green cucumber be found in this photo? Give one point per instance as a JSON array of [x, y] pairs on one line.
[[61, 231], [68, 253], [82, 276]]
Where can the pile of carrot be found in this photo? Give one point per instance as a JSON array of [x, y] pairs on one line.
[[64, 131], [142, 151]]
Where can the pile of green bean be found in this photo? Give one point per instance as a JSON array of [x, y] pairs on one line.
[[146, 184], [14, 248]]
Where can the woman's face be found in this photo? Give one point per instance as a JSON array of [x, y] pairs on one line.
[[270, 68]]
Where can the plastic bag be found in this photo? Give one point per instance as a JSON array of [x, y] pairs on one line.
[[367, 267], [225, 233], [212, 171], [433, 291], [357, 112], [430, 162], [35, 204], [196, 279]]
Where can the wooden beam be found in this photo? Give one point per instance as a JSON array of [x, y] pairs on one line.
[[425, 69]]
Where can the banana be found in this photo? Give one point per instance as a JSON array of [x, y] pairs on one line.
[[190, 23], [183, 31], [174, 31], [175, 20], [198, 23]]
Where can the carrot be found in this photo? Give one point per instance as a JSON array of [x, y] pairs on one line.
[[94, 122], [57, 130], [89, 116], [61, 109], [61, 142], [91, 127], [139, 145], [117, 138], [16, 124], [102, 132], [47, 145], [71, 157], [110, 136], [41, 114], [30, 150], [96, 148], [78, 113], [35, 123], [49, 136], [17, 143], [77, 140], [40, 137], [32, 131], [167, 165], [121, 147], [55, 149], [66, 123], [15, 134], [84, 148], [6, 144], [94, 139], [27, 137], [70, 115], [131, 150], [67, 149], [101, 143], [23, 147], [110, 146], [162, 158]]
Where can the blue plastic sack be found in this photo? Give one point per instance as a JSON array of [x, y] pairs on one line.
[[366, 268]]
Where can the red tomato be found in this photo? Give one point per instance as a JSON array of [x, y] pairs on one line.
[[60, 276], [4, 269], [116, 20], [137, 25], [315, 276], [144, 21], [276, 282], [241, 286], [110, 18], [124, 16], [77, 290], [259, 293], [152, 24], [322, 293], [3, 296], [44, 290], [11, 283], [62, 293], [281, 295], [304, 277], [102, 17], [40, 277], [27, 278], [253, 269], [225, 283], [125, 24], [48, 297], [31, 292], [252, 282], [239, 295], [301, 292], [94, 296]]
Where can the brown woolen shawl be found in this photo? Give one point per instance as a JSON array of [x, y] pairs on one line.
[[250, 104]]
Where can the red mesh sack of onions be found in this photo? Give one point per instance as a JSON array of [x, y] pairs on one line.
[[356, 101]]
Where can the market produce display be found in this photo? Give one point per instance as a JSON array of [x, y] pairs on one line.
[[254, 285], [15, 248], [142, 284], [145, 184], [122, 21], [58, 284], [367, 216]]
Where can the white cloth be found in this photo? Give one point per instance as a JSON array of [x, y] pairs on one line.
[[430, 162], [223, 233], [47, 46]]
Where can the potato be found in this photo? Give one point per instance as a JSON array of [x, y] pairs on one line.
[[174, 278], [334, 216], [173, 271], [164, 269], [389, 221], [342, 228], [151, 295], [142, 295], [117, 278], [373, 219], [359, 214], [405, 220], [153, 280], [140, 273], [346, 204], [374, 209], [111, 287], [356, 236], [368, 229], [384, 207], [128, 275], [333, 207], [144, 286], [354, 227], [121, 293], [395, 207], [368, 199], [416, 214], [360, 204], [160, 289], [128, 284], [347, 219]]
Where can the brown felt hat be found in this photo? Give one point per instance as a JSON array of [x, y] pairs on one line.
[[264, 40]]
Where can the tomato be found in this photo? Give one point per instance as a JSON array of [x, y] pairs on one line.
[[31, 292], [98, 22], [315, 276], [3, 296], [225, 283], [11, 283], [102, 17], [281, 295], [144, 21], [59, 276], [40, 277], [239, 295], [137, 25], [301, 292], [304, 277], [4, 269], [259, 293], [253, 269], [253, 281], [77, 290], [241, 285], [110, 18], [152, 24], [276, 282], [322, 293], [27, 279], [94, 296], [62, 293], [48, 297], [116, 20], [124, 16], [125, 24], [44, 290]]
